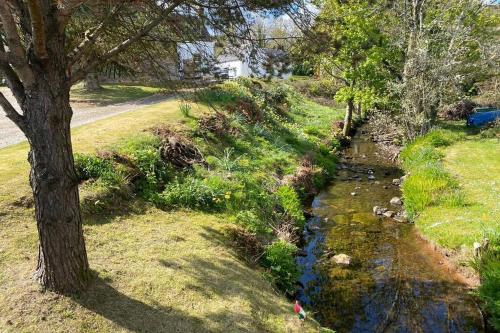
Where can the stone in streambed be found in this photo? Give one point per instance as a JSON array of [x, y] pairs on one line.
[[379, 210], [396, 201], [342, 259], [389, 213]]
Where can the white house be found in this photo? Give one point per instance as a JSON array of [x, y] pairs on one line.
[[262, 63]]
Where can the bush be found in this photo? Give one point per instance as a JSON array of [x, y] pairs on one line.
[[93, 167], [208, 194], [252, 222], [279, 258], [459, 110], [289, 201], [323, 88], [153, 171]]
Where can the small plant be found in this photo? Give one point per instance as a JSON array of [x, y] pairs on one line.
[[252, 222], [93, 167], [185, 109], [279, 258], [289, 201]]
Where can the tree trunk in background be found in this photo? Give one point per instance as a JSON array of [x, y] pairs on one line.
[[62, 262], [91, 82], [348, 117], [358, 111]]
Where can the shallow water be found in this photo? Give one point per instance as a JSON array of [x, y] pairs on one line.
[[394, 283]]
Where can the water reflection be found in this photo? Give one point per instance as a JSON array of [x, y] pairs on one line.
[[391, 285]]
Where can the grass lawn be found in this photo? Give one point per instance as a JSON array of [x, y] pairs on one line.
[[156, 270], [454, 185], [112, 93], [475, 164]]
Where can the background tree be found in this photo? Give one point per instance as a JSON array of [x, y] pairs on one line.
[[347, 45], [448, 46], [45, 47]]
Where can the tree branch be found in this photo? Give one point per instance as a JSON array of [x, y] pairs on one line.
[[80, 74], [66, 9], [91, 36], [37, 29], [12, 114], [14, 43]]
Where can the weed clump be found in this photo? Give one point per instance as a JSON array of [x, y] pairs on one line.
[[279, 258]]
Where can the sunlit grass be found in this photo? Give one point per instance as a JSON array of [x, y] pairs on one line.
[[112, 93]]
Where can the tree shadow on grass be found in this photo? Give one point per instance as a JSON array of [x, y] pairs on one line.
[[136, 316], [104, 207]]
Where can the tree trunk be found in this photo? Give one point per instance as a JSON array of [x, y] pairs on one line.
[[91, 82], [358, 112], [348, 117], [62, 258]]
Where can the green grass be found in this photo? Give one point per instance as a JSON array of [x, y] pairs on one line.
[[452, 193], [163, 270], [453, 188], [112, 93]]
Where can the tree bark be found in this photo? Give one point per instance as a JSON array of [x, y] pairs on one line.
[[348, 117], [62, 258], [358, 111]]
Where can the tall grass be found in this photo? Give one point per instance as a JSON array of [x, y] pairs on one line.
[[428, 182]]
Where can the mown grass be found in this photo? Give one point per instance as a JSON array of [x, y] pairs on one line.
[[452, 194], [163, 267], [112, 93]]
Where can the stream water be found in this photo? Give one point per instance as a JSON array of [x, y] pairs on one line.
[[394, 282]]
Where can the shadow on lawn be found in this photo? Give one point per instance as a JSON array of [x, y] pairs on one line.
[[134, 315]]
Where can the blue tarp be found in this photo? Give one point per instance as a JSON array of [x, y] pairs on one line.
[[482, 118]]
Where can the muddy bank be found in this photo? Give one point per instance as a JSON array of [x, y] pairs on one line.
[[393, 281]]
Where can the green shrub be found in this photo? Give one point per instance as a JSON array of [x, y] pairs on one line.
[[208, 194], [94, 167], [279, 258], [289, 201], [154, 171], [323, 88], [250, 220]]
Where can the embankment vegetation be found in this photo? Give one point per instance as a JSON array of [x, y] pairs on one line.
[[187, 210], [451, 193]]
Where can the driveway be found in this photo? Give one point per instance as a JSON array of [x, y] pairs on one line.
[[82, 114]]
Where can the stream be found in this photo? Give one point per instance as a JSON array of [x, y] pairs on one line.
[[394, 282]]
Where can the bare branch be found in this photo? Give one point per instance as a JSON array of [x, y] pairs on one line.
[[14, 43], [37, 29], [12, 114]]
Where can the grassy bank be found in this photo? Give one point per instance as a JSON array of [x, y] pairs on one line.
[[452, 194], [166, 259]]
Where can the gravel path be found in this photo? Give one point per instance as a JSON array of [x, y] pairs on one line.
[[82, 114]]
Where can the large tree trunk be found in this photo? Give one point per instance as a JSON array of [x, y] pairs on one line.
[[62, 262], [348, 117]]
